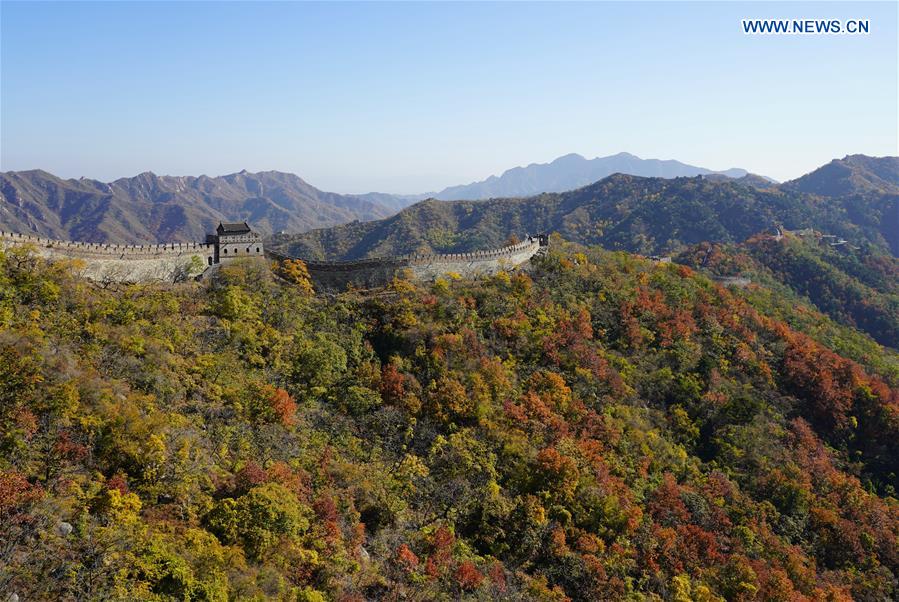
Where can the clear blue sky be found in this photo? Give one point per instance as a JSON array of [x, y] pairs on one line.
[[415, 97]]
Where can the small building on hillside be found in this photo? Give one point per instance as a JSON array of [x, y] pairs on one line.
[[235, 240]]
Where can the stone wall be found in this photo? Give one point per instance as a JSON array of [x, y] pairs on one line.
[[738, 281], [180, 261], [236, 246], [239, 250], [373, 273], [122, 263]]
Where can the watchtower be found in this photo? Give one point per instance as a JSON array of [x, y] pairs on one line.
[[235, 240]]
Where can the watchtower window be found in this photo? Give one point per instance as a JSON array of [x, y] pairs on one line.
[[257, 249], [210, 260], [248, 249], [226, 251]]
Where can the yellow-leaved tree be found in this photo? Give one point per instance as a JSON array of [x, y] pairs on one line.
[[295, 272]]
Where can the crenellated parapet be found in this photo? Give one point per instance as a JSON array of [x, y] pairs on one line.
[[106, 249], [163, 262], [376, 272], [178, 261], [532, 243]]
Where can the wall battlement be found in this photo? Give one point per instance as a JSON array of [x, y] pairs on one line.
[[108, 250], [172, 262], [168, 262], [377, 272], [429, 258]]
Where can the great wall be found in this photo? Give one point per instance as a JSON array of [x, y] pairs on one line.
[[174, 262], [122, 263], [376, 272]]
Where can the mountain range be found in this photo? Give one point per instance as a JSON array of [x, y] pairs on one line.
[[636, 214], [570, 172], [150, 208]]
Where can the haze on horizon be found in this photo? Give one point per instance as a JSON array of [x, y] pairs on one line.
[[407, 98]]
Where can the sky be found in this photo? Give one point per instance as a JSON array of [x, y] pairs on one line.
[[413, 97]]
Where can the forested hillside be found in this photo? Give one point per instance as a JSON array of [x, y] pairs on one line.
[[600, 428], [853, 174], [640, 215], [856, 286]]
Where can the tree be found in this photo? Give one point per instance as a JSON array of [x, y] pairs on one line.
[[295, 272], [184, 271], [258, 519]]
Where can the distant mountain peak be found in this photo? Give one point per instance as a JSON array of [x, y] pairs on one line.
[[570, 157], [572, 171]]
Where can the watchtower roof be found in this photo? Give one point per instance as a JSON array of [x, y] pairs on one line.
[[233, 228]]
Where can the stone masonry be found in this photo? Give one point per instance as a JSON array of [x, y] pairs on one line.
[[174, 262]]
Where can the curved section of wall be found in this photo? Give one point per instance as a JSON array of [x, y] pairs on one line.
[[179, 261], [377, 272]]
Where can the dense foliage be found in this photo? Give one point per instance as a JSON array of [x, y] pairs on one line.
[[600, 428], [855, 286], [640, 215], [852, 175]]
